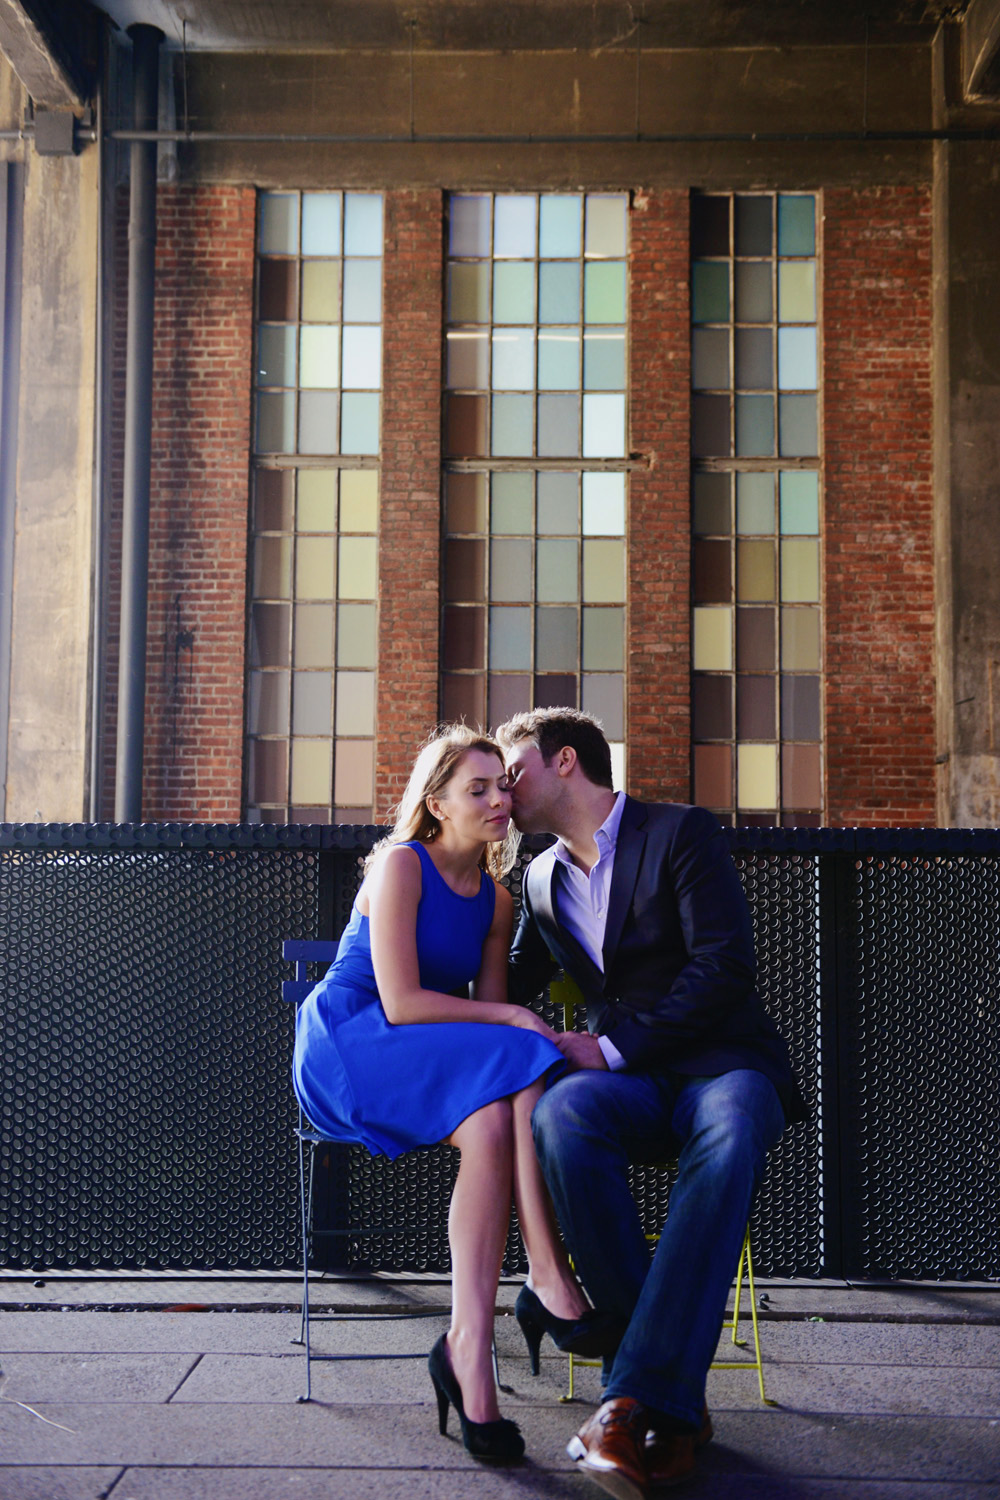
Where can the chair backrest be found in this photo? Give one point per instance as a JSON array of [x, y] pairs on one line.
[[302, 952]]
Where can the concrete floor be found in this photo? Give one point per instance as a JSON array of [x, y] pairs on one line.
[[147, 1388]]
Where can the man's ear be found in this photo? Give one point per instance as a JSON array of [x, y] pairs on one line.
[[565, 760]]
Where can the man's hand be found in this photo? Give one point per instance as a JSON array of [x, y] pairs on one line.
[[580, 1049]]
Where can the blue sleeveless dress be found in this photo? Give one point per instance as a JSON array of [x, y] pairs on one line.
[[393, 1088]]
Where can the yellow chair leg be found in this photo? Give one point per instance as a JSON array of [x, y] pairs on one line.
[[757, 1363]]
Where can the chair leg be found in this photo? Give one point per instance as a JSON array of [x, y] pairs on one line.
[[305, 1207]]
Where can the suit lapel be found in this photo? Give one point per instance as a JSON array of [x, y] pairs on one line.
[[628, 856]]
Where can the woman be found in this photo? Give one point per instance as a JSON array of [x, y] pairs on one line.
[[388, 1055]]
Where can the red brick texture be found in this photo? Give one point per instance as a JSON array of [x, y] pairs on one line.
[[193, 759], [658, 728], [879, 565], [409, 520]]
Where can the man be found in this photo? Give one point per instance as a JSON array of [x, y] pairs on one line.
[[641, 904]]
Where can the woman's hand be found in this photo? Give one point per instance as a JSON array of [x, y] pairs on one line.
[[527, 1020]]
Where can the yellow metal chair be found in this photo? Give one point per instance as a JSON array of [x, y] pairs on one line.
[[566, 992]]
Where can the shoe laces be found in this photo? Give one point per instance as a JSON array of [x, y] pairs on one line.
[[623, 1416]]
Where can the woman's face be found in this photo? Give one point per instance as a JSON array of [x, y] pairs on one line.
[[476, 802]]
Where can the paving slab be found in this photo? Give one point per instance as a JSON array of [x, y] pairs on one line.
[[97, 1377], [298, 1484], [27, 1483]]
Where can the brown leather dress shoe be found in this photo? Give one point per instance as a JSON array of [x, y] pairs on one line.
[[611, 1448], [670, 1456]]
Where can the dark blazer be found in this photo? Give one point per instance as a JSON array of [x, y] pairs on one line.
[[677, 990]]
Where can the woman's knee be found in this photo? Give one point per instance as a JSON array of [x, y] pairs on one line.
[[489, 1129]]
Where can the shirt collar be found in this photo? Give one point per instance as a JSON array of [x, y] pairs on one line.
[[606, 837]]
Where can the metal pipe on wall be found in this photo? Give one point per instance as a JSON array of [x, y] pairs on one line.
[[138, 426]]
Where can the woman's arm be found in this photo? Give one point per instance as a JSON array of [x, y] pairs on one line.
[[490, 984], [393, 894]]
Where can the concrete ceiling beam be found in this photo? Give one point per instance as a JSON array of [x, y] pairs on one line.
[[52, 49], [981, 50]]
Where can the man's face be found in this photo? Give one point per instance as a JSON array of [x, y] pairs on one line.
[[535, 787]]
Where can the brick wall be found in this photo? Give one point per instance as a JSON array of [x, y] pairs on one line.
[[409, 521], [878, 508], [193, 753], [658, 658]]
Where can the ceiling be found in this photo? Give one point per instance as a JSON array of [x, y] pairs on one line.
[[318, 25], [55, 45]]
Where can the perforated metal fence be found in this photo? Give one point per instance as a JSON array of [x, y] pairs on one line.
[[145, 1109]]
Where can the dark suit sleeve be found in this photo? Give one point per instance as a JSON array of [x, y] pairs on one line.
[[688, 962], [531, 965]]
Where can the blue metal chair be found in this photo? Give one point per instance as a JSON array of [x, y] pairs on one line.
[[303, 953]]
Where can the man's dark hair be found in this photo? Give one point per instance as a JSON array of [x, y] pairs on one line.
[[552, 728]]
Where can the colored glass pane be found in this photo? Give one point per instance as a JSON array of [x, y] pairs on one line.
[[752, 234], [511, 430], [557, 577], [603, 640], [796, 225], [559, 225], [709, 292], [513, 359], [469, 224], [710, 367], [558, 426], [510, 507], [356, 635], [469, 293], [755, 504], [357, 567], [603, 504], [510, 638], [603, 426], [276, 356], [556, 640], [359, 422], [321, 290], [513, 292], [514, 217], [267, 703], [362, 227], [712, 504], [712, 649], [798, 426], [754, 426], [316, 507], [559, 292], [312, 701], [799, 571], [799, 502], [278, 224], [355, 703], [752, 292], [319, 356], [362, 291], [755, 575], [313, 645], [757, 776], [713, 775], [358, 499], [321, 224], [559, 359]]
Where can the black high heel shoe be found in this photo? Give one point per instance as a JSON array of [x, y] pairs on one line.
[[497, 1442], [594, 1334]]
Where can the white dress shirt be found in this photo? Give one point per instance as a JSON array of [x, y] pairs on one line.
[[583, 903]]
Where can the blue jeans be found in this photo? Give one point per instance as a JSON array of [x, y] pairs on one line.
[[588, 1127]]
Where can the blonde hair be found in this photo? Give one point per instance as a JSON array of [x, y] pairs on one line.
[[435, 765]]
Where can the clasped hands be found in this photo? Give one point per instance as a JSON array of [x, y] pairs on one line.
[[579, 1048]]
